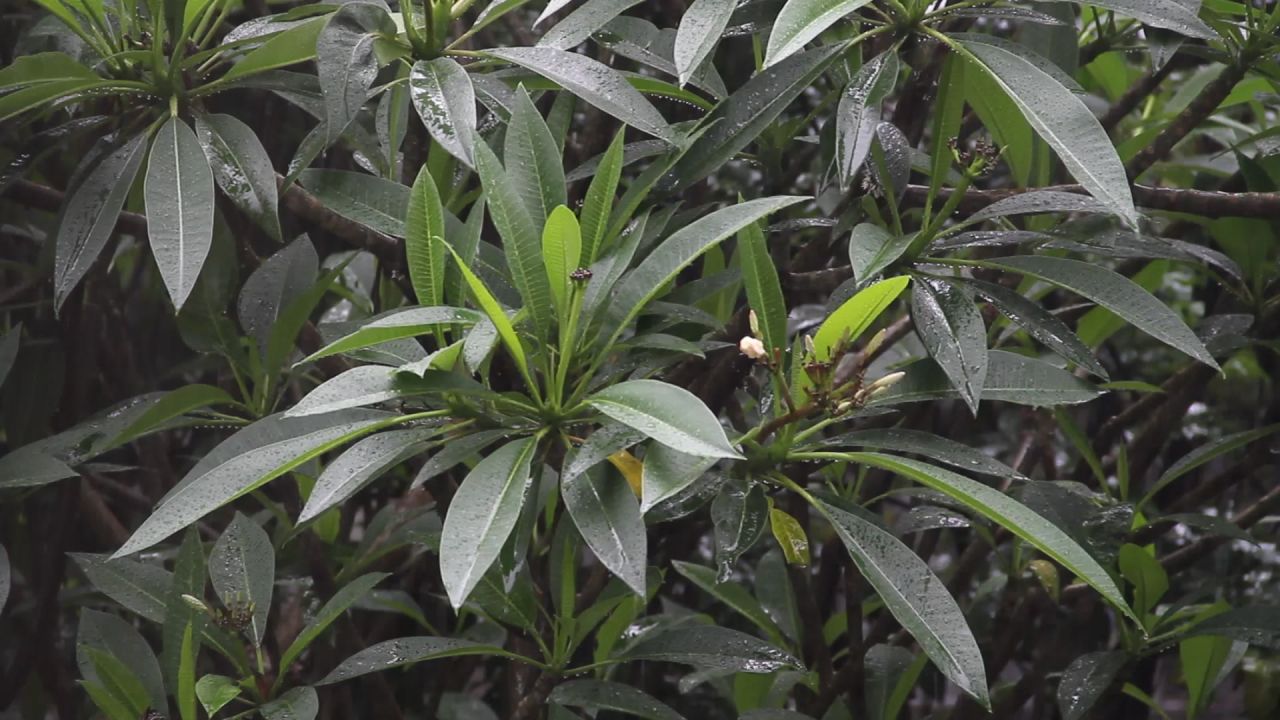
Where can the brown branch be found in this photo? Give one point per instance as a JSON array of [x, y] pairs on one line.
[[1189, 119], [1198, 202], [1134, 96]]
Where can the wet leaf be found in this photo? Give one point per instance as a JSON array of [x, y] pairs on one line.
[[242, 566], [669, 414], [953, 333], [442, 94]]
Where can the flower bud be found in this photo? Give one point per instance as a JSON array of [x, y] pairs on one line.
[[754, 321], [881, 385], [195, 603], [752, 348], [876, 341]]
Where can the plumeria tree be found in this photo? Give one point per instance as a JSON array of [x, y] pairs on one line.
[[765, 359]]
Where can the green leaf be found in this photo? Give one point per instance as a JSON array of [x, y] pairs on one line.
[[684, 246], [520, 238], [1258, 625], [1204, 454], [137, 586], [605, 511], [1203, 660], [598, 203], [700, 29], [857, 313], [497, 316], [790, 536], [562, 254], [215, 692], [858, 113], [1146, 575], [300, 703], [350, 594], [242, 169], [712, 648], [190, 573], [90, 210], [346, 61], [242, 566], [174, 404], [764, 290], [580, 24], [374, 202], [446, 101], [118, 681], [1063, 120], [1013, 515], [482, 515], [934, 447], [1086, 680], [1114, 292], [214, 483], [1010, 378], [532, 159], [424, 239], [41, 68], [6, 577], [596, 83], [295, 45], [611, 696], [118, 639], [361, 464], [408, 651], [280, 280], [667, 472], [738, 517], [669, 414], [953, 333], [186, 691], [1039, 324], [889, 668], [916, 597], [395, 325], [800, 21], [1176, 15], [456, 451], [733, 595], [740, 118], [872, 249]]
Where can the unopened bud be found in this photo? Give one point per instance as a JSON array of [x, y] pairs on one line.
[[844, 407], [809, 349], [876, 341], [880, 386], [195, 603], [752, 348], [754, 321]]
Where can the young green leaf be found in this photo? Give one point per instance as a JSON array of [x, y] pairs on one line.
[[482, 515], [396, 325], [852, 318], [215, 692], [294, 45], [497, 316], [562, 253], [1114, 292], [607, 515], [598, 203], [117, 638], [424, 240], [669, 414], [281, 279], [916, 597], [667, 473], [764, 290], [442, 94], [1146, 575], [953, 333]]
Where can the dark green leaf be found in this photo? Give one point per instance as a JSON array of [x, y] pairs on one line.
[[954, 335], [606, 513], [712, 648], [1086, 680], [361, 464], [446, 101], [616, 697], [332, 610], [241, 168], [532, 160], [800, 21], [669, 414], [1010, 378], [700, 29], [242, 566]]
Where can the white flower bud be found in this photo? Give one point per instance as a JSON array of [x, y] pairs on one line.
[[754, 321], [876, 341], [883, 384], [752, 348]]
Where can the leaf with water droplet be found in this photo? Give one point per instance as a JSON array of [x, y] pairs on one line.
[[605, 695], [954, 334], [916, 597], [242, 168], [1086, 680], [445, 100], [607, 514], [669, 414], [242, 566]]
